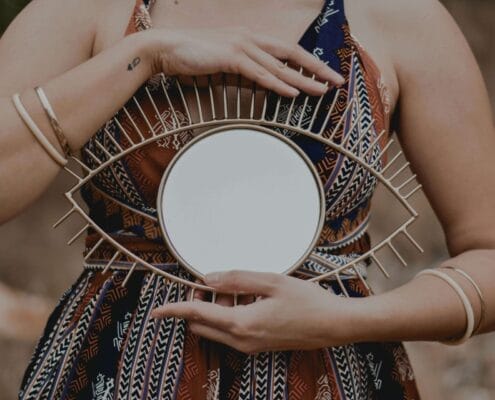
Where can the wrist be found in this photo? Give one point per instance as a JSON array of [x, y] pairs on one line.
[[157, 45], [366, 318], [352, 321], [143, 46]]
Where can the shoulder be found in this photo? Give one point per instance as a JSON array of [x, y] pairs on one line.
[[399, 15], [414, 31], [49, 20], [113, 20], [46, 38]]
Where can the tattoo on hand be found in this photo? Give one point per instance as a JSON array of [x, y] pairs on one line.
[[134, 63]]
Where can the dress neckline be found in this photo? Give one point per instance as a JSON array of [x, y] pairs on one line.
[[306, 32]]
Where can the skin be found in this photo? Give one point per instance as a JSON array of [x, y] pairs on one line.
[[445, 127]]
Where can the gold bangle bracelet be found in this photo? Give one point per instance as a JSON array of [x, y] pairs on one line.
[[478, 291], [36, 131], [57, 129], [468, 308]]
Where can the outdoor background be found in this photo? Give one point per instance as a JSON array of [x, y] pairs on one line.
[[36, 265]]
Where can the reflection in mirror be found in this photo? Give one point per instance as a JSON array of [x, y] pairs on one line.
[[240, 198]]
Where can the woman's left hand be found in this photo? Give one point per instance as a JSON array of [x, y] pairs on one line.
[[289, 314]]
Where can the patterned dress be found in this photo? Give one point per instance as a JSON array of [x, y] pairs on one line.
[[100, 342]]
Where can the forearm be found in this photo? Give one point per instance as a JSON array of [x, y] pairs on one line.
[[83, 98], [427, 308]]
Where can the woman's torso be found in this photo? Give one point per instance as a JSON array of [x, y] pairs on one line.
[[131, 184], [101, 339]]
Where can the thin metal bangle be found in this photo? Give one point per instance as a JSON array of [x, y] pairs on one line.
[[35, 130], [57, 129], [478, 291], [465, 301]]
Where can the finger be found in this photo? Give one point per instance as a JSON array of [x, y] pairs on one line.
[[199, 311], [285, 73], [246, 299], [300, 56], [259, 74], [225, 300], [212, 333], [197, 294], [244, 282]]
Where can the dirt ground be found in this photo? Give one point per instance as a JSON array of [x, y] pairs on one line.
[[34, 259]]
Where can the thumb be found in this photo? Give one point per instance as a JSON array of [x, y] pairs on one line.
[[241, 281]]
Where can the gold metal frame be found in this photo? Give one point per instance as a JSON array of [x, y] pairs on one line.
[[201, 136], [224, 119]]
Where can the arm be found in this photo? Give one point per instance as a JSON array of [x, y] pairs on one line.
[[83, 90], [447, 132]]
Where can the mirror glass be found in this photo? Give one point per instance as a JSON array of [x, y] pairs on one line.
[[240, 198]]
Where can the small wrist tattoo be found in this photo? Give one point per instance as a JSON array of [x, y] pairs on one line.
[[133, 64]]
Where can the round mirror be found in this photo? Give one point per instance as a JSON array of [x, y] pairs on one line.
[[240, 197]]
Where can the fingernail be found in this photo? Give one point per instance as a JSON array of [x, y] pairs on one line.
[[295, 92], [212, 278]]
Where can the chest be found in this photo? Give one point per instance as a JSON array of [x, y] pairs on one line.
[[286, 20]]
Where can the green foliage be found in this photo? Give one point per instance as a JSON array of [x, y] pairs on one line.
[[8, 10]]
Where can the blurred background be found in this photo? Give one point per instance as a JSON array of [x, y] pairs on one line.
[[36, 266]]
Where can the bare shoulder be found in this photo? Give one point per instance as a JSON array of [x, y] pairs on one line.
[[113, 19], [46, 38], [414, 32]]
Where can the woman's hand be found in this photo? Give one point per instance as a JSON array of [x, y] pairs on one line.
[[196, 52], [289, 313]]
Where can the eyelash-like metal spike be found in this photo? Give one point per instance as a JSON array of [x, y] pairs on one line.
[[103, 148], [305, 105], [90, 153], [212, 99], [64, 217], [93, 249], [374, 143], [128, 275], [74, 238], [112, 139], [389, 164], [124, 132], [183, 98], [361, 137], [341, 120], [238, 96], [157, 112], [134, 125], [109, 264], [253, 98], [81, 164], [198, 99], [175, 119], [293, 101], [397, 254], [143, 114]]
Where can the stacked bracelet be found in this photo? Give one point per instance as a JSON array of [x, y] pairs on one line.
[[470, 329], [478, 292], [36, 131], [62, 140]]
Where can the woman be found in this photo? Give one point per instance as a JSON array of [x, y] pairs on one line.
[[299, 341]]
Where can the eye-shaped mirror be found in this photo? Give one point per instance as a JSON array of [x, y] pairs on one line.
[[240, 198]]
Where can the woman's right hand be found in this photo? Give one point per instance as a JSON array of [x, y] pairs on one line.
[[257, 57]]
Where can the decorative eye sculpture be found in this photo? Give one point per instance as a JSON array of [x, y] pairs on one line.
[[249, 179]]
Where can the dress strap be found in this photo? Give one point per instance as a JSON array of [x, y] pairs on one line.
[[140, 18]]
